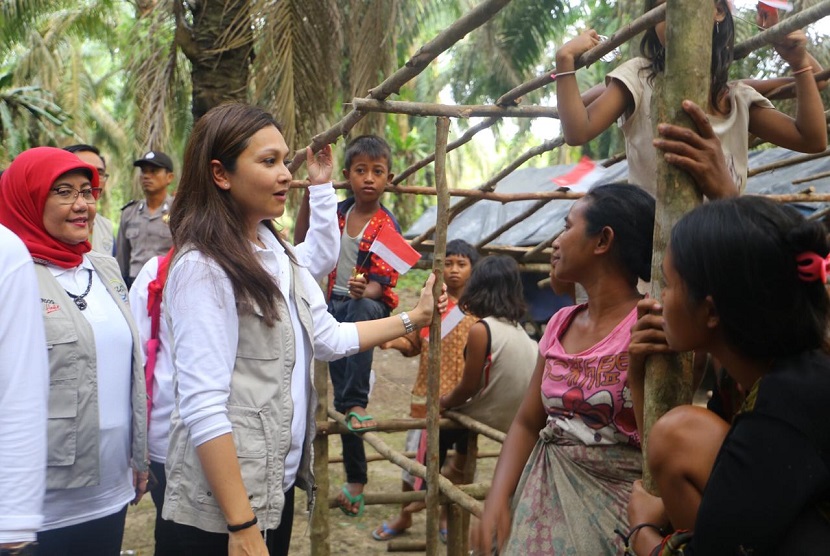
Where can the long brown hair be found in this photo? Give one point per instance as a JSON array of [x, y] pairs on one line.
[[207, 218]]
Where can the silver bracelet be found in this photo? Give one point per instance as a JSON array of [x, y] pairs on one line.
[[407, 324]]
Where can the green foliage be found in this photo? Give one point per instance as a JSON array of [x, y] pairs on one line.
[[507, 50], [413, 280]]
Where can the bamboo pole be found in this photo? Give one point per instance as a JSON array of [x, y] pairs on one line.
[[442, 129], [491, 184], [469, 476], [782, 29], [787, 162], [455, 531], [386, 425], [645, 21], [814, 177], [416, 469], [453, 110], [477, 426], [476, 491], [668, 378], [510, 223], [481, 195], [476, 17], [788, 90], [509, 250], [320, 516], [541, 246], [473, 193], [464, 139], [406, 545], [411, 455]]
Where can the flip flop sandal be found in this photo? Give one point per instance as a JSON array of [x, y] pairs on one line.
[[360, 419], [386, 533], [356, 499]]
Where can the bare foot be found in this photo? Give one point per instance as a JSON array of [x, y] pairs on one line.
[[357, 424], [393, 528]]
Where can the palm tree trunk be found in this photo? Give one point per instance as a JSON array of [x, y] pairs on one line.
[[219, 45], [687, 76]]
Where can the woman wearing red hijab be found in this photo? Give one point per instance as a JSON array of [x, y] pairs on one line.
[[97, 449]]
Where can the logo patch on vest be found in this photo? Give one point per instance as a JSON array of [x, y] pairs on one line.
[[119, 288], [49, 305]]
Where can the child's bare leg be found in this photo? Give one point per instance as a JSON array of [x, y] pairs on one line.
[[682, 448]]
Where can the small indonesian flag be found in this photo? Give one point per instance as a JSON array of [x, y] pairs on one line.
[[390, 246], [449, 320], [581, 177], [777, 4]]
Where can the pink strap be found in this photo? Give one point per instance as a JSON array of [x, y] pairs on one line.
[[154, 293], [812, 267]]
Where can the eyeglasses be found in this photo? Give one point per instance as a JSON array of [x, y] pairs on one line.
[[102, 175], [67, 195]]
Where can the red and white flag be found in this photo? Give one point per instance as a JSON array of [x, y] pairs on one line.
[[778, 4], [449, 320], [581, 177], [390, 246]]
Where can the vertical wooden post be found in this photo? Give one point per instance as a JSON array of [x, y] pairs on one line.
[[320, 516], [442, 127], [689, 25]]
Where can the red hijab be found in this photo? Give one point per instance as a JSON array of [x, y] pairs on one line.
[[24, 187]]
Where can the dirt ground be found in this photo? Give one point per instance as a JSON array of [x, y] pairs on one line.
[[395, 375]]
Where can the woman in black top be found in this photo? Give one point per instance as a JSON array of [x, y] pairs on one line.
[[745, 281]]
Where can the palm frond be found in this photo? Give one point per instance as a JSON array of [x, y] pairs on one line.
[[297, 62]]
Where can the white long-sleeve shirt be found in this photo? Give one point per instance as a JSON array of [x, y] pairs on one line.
[[24, 395], [318, 253], [202, 309]]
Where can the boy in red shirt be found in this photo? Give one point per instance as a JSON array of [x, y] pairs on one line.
[[360, 289]]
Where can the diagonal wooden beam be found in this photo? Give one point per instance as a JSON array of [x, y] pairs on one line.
[[473, 19]]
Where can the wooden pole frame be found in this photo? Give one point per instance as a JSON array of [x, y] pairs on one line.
[[506, 106]]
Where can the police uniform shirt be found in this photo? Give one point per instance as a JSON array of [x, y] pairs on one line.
[[142, 236]]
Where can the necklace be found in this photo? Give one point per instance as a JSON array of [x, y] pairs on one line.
[[79, 299]]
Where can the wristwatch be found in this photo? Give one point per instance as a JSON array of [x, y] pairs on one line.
[[407, 324], [22, 549]]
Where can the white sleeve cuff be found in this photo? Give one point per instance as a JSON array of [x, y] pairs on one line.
[[320, 190]]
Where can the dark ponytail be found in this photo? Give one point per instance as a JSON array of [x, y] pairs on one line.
[[742, 252], [629, 211]]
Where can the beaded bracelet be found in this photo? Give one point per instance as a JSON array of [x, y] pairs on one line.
[[802, 70], [555, 76], [627, 538], [241, 526]]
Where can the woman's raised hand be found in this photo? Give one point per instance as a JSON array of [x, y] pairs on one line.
[[319, 165]]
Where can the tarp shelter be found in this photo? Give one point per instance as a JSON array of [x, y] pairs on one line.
[[485, 216]]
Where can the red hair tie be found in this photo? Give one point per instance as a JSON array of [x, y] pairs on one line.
[[812, 267]]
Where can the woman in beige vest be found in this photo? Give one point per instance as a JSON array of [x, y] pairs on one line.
[[247, 321], [97, 446]]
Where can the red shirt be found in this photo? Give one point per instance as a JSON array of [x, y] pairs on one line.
[[375, 268]]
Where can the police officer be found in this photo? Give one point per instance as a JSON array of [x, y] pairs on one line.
[[144, 231]]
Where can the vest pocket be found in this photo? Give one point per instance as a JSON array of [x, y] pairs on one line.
[[63, 358], [252, 453], [62, 427], [260, 342]]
